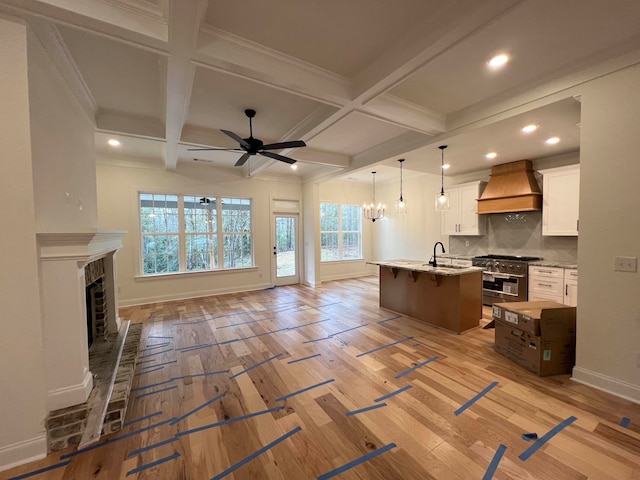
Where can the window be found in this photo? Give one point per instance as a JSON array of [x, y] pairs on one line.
[[340, 232], [183, 233]]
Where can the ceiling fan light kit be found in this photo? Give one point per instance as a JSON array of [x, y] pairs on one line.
[[254, 146]]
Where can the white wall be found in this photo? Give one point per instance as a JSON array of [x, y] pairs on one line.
[[413, 235], [22, 374], [355, 194], [311, 227], [608, 342], [118, 186], [62, 150]]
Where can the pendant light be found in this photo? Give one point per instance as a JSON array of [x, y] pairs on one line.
[[401, 203], [372, 211], [442, 199]]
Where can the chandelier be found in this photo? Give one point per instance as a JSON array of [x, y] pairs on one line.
[[372, 211], [442, 199]]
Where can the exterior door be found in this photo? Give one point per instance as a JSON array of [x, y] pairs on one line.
[[285, 249]]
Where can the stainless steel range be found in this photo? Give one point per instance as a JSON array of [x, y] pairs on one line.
[[504, 277]]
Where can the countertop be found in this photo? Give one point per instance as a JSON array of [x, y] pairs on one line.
[[423, 266], [552, 263]]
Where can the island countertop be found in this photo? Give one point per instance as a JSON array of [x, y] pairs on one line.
[[423, 266]]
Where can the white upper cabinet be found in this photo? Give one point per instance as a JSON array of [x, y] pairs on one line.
[[560, 200], [461, 218]]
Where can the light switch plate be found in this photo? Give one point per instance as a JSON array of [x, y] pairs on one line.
[[625, 264]]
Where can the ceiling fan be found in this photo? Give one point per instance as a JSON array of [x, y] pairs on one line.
[[254, 146]]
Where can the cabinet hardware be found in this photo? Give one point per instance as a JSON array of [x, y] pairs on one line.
[[545, 285], [566, 290]]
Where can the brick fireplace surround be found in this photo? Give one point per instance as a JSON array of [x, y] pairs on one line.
[[64, 258]]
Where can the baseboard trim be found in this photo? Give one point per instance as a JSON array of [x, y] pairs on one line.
[[607, 384], [23, 452], [69, 396], [345, 276], [132, 302]]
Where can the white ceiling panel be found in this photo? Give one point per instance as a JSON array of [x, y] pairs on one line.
[[340, 36], [121, 78], [355, 133], [218, 102], [542, 37]]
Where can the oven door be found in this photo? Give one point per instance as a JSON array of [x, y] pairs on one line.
[[503, 287]]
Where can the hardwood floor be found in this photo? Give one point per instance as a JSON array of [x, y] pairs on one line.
[[302, 383]]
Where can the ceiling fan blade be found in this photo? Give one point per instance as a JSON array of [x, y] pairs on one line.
[[237, 138], [242, 160], [280, 145], [215, 149], [276, 156]]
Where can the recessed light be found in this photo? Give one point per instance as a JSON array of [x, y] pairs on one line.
[[552, 140], [113, 142], [446, 166], [498, 61], [294, 166], [530, 128], [491, 155]]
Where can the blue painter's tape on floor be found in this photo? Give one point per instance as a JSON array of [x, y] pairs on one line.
[[254, 366], [153, 385], [42, 470], [389, 319], [625, 422], [155, 336], [529, 436], [304, 358], [157, 353], [206, 374], [113, 440], [394, 393], [153, 464], [317, 340], [228, 421], [157, 391], [155, 369], [494, 462], [545, 438], [348, 330], [365, 409], [157, 365], [133, 453], [208, 402], [421, 364], [284, 397], [146, 417], [243, 462], [476, 398], [383, 346], [356, 462]]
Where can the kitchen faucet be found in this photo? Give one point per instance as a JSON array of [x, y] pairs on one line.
[[435, 263]]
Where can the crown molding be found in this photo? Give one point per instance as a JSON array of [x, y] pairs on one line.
[[142, 8], [398, 111]]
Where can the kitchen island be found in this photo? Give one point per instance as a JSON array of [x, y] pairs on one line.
[[445, 297]]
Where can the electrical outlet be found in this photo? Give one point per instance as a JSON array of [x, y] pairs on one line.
[[625, 264], [466, 243]]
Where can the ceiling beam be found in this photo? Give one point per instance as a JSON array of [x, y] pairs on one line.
[[185, 19]]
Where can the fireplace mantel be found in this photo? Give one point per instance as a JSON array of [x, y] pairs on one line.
[[63, 256], [82, 245]]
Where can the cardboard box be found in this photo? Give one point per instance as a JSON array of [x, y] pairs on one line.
[[549, 352], [556, 319]]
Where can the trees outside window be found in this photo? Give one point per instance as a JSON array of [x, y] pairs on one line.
[[182, 233], [340, 232]]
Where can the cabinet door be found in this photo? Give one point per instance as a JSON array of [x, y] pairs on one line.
[[451, 217], [571, 293], [560, 201], [469, 219]]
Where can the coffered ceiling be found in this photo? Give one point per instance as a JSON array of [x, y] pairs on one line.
[[362, 82]]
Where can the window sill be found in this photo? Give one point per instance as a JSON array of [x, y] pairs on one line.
[[195, 273], [349, 260]]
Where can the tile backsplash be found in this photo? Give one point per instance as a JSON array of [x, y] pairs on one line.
[[517, 234]]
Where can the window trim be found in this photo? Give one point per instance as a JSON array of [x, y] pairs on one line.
[[182, 234], [341, 232]]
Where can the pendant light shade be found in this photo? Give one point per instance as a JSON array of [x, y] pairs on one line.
[[401, 203], [442, 199], [372, 211]]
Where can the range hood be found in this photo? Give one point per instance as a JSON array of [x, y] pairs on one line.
[[511, 188]]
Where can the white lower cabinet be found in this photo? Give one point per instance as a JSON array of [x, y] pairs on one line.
[[553, 284]]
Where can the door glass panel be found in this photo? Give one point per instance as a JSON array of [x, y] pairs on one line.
[[285, 246]]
